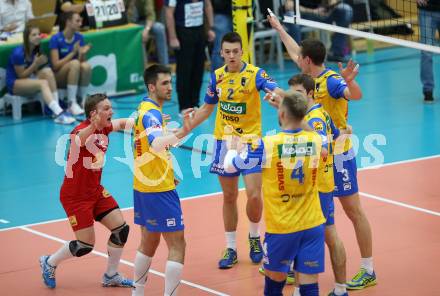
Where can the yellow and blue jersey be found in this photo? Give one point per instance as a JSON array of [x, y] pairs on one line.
[[289, 161], [239, 109], [318, 119], [329, 92], [153, 171]]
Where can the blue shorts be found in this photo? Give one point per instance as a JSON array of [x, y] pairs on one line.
[[328, 207], [304, 248], [345, 172], [158, 211], [217, 165]]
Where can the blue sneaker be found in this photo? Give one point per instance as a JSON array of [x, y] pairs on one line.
[[116, 280], [332, 293], [229, 259], [256, 251], [362, 280], [48, 272]]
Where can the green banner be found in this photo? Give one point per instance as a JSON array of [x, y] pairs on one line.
[[116, 59]]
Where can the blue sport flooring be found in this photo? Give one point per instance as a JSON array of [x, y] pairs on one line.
[[391, 122]]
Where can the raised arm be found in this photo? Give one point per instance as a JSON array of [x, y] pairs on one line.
[[292, 47]]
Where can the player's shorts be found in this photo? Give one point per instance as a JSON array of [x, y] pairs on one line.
[[83, 211], [328, 207], [217, 165], [158, 211], [345, 174], [11, 82], [305, 248]]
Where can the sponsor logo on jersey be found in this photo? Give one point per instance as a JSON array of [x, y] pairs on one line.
[[233, 108], [299, 149]]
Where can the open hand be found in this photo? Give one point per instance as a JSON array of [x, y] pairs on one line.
[[350, 71]]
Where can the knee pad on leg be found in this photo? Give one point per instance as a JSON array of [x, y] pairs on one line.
[[79, 248], [119, 235]]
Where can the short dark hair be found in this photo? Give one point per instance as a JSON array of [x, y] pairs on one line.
[[231, 37], [314, 49], [295, 104], [92, 101], [303, 79], [152, 73]]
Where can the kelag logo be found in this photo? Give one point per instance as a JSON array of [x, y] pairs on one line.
[[233, 108]]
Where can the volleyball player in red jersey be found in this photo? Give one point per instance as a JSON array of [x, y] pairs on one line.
[[83, 197]]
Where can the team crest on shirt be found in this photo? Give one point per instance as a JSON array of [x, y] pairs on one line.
[[318, 126], [266, 76], [72, 221], [243, 81]]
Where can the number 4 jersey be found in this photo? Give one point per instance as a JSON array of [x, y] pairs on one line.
[[290, 161], [239, 110]]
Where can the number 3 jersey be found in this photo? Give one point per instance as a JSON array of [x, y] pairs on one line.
[[239, 109]]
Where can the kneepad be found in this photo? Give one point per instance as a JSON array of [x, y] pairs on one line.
[[79, 248], [119, 235]]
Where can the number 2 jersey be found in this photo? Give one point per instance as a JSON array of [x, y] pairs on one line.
[[239, 109]]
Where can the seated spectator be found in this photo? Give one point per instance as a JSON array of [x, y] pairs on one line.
[[144, 11], [14, 14], [26, 74], [68, 58], [326, 11]]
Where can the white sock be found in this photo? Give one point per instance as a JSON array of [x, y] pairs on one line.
[[231, 240], [142, 264], [340, 289], [62, 254], [71, 93], [173, 272], [83, 93], [55, 96], [367, 263], [55, 107], [296, 292], [254, 229], [62, 93], [114, 256]]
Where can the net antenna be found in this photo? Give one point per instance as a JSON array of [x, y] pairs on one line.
[[296, 19]]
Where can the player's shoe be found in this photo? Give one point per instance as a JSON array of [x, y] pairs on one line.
[[332, 293], [256, 251], [362, 280], [116, 280], [76, 109], [290, 280], [229, 259], [48, 272], [64, 118]]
